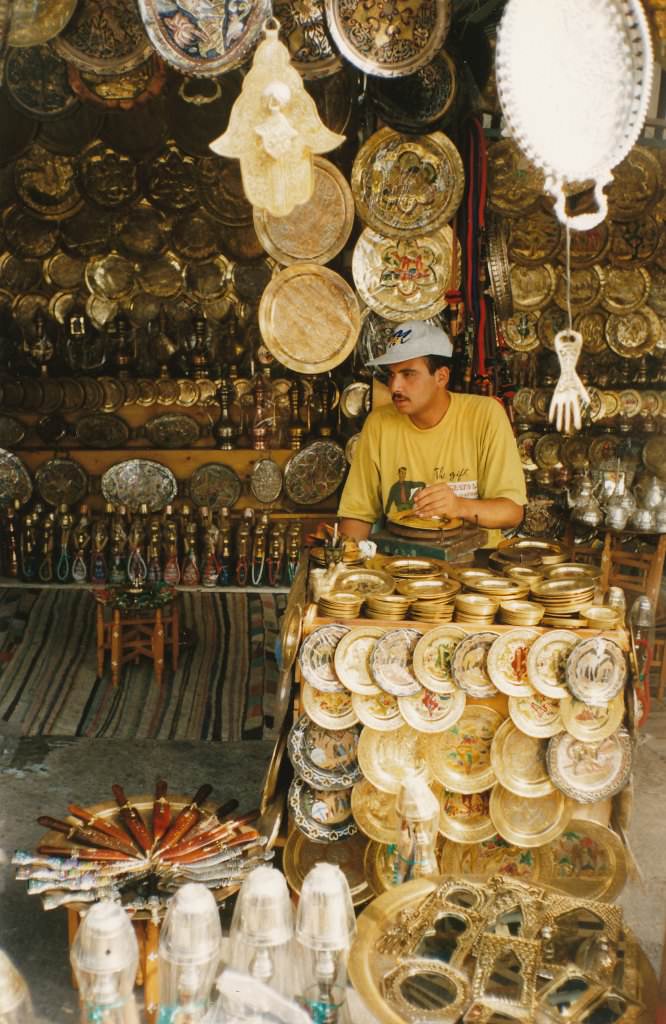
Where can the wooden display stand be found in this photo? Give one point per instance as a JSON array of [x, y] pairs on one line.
[[127, 636]]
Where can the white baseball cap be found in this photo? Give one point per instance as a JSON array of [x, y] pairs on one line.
[[412, 339]]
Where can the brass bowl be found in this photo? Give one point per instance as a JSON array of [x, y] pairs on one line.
[[599, 616]]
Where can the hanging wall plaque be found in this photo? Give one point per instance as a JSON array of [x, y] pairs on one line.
[[415, 102], [105, 37], [36, 80], [36, 21], [401, 278], [15, 481]]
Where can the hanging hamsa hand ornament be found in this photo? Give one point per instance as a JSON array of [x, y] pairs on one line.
[[274, 130], [574, 82]]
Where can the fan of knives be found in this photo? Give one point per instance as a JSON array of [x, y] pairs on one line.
[[141, 863]]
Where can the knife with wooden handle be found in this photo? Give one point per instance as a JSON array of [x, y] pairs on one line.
[[133, 821], [185, 819], [95, 821], [161, 810], [225, 828], [87, 835]]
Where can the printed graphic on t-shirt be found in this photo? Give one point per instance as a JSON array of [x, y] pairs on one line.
[[402, 492]]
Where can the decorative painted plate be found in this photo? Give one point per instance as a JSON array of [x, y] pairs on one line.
[[507, 661], [375, 812], [387, 759], [433, 654], [316, 656], [325, 758], [490, 857], [407, 185], [215, 485], [329, 710], [414, 103], [315, 231], [172, 430], [399, 278], [464, 817], [315, 473], [519, 762], [309, 318], [536, 714], [15, 481], [352, 659], [469, 665], [365, 581], [204, 39], [61, 481], [324, 816], [391, 662], [459, 758], [378, 711], [596, 670], [546, 662], [588, 772], [427, 711], [529, 823], [587, 861], [101, 430], [104, 37], [301, 854], [391, 40], [139, 482], [592, 723]]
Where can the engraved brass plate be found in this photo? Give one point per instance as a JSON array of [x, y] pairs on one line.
[[104, 37], [401, 278], [34, 22]]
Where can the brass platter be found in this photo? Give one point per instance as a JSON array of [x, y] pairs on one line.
[[195, 235], [143, 232], [433, 655], [592, 326], [520, 331], [587, 288], [387, 759], [626, 289], [104, 37], [220, 191], [427, 711], [73, 131], [329, 710], [110, 277], [532, 287], [587, 860], [459, 758], [519, 762], [464, 817], [305, 33], [403, 37], [366, 581], [532, 822], [375, 812], [316, 230], [34, 22], [212, 44], [588, 247], [36, 80], [208, 279], [171, 180], [416, 102], [635, 334], [61, 481], [592, 723], [507, 661], [15, 481], [309, 318], [551, 320], [634, 242], [405, 185], [493, 856], [301, 854], [399, 278], [102, 430], [162, 276], [107, 177], [314, 473], [63, 271], [545, 662], [535, 237], [352, 659], [588, 772], [86, 234], [657, 296], [12, 432], [28, 237], [515, 186], [634, 186], [172, 430], [536, 714], [215, 485], [137, 482], [378, 711]]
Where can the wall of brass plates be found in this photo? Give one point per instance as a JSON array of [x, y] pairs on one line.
[[618, 299], [449, 950], [521, 730]]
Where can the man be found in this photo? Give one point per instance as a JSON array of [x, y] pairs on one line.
[[458, 451]]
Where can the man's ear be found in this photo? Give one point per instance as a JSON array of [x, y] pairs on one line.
[[442, 374]]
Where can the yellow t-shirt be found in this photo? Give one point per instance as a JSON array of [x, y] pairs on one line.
[[472, 449]]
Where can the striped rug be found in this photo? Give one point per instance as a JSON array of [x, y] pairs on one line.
[[223, 688]]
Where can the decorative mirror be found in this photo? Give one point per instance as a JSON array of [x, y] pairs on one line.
[[505, 974], [425, 990]]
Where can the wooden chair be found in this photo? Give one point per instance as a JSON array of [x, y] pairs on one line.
[[129, 635]]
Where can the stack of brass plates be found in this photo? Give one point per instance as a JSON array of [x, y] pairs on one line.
[[366, 581], [572, 571], [477, 609], [341, 604], [529, 551], [563, 598], [431, 611], [413, 568], [498, 586], [318, 557], [600, 617], [521, 613], [386, 606], [527, 575], [435, 589]]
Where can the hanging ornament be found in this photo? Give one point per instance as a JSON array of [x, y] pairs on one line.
[[274, 130], [574, 79]]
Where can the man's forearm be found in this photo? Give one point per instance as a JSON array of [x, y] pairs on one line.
[[491, 513], [354, 528]]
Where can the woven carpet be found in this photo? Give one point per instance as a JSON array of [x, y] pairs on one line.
[[223, 688]]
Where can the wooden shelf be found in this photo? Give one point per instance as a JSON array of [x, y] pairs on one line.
[[37, 585]]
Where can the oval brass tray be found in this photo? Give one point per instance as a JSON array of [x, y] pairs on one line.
[[105, 37], [34, 22], [15, 481], [459, 758], [215, 485], [402, 278], [102, 430], [172, 430], [138, 482], [532, 822], [588, 772], [315, 231], [405, 185], [206, 41], [266, 481], [36, 81], [315, 473], [402, 39], [61, 481], [309, 318]]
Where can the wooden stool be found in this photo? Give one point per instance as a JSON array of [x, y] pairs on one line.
[[129, 635]]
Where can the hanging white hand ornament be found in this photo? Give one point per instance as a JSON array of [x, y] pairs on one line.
[[569, 393], [574, 80], [274, 130]]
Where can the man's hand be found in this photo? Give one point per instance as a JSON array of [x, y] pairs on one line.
[[437, 500]]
